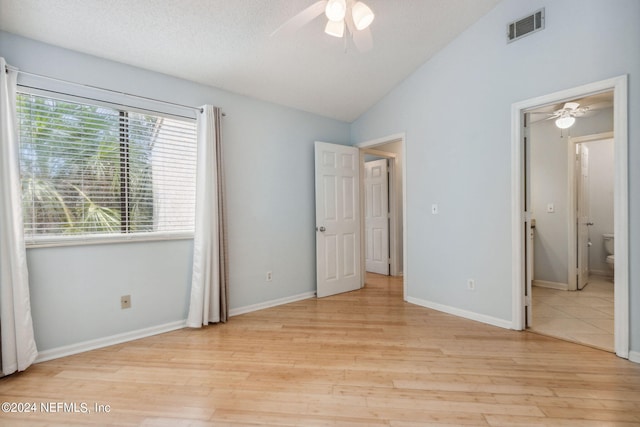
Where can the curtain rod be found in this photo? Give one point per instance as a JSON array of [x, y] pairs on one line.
[[8, 67]]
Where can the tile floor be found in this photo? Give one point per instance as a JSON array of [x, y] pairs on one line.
[[585, 316]]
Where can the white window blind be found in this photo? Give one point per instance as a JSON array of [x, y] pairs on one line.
[[92, 170]]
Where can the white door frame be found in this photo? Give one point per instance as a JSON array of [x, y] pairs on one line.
[[367, 146], [572, 233], [621, 203]]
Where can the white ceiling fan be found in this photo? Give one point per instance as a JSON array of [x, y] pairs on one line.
[[350, 17], [565, 117]]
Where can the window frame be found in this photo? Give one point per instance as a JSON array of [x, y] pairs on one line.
[[70, 92]]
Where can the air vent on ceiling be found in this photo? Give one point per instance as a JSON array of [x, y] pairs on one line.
[[525, 26]]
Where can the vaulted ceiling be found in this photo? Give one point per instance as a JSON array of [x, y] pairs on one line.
[[227, 44]]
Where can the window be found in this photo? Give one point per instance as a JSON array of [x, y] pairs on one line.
[[91, 170]]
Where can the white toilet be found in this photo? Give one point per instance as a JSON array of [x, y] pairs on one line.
[[608, 247]]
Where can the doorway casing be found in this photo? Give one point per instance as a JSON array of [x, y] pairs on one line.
[[621, 194]]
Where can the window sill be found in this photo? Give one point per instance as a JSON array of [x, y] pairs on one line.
[[102, 239]]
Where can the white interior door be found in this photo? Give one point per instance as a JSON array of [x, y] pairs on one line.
[[582, 173], [338, 262], [376, 222]]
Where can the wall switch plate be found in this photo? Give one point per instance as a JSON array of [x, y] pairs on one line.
[[551, 208], [269, 276], [471, 285], [434, 209], [125, 301]]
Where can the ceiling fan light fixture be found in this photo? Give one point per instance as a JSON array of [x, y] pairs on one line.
[[362, 15], [565, 122], [335, 29], [336, 10]]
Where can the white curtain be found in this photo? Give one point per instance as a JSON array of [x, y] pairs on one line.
[[209, 282], [18, 345]]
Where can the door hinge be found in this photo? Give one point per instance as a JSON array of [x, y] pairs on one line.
[[526, 216], [527, 300]]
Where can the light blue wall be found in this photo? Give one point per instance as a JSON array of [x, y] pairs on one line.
[[75, 290], [268, 153], [455, 111]]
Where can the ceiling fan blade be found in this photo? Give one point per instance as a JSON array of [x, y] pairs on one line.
[[571, 106], [554, 115], [363, 40], [600, 105], [301, 19], [578, 112]]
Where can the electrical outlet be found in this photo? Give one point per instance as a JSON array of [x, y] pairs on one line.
[[269, 276], [125, 301], [471, 285]]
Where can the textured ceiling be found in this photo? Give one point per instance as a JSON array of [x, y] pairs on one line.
[[227, 44]]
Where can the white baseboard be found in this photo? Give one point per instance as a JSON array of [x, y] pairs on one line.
[[81, 347], [602, 273], [268, 304], [501, 323], [551, 285]]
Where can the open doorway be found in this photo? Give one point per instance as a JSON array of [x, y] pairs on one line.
[[571, 188], [522, 207], [389, 151]]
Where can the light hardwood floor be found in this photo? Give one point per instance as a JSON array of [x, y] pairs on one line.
[[365, 358]]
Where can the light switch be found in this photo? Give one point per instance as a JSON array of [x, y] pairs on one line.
[[551, 208]]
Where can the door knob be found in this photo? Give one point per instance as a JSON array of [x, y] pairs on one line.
[[589, 223], [322, 229]]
